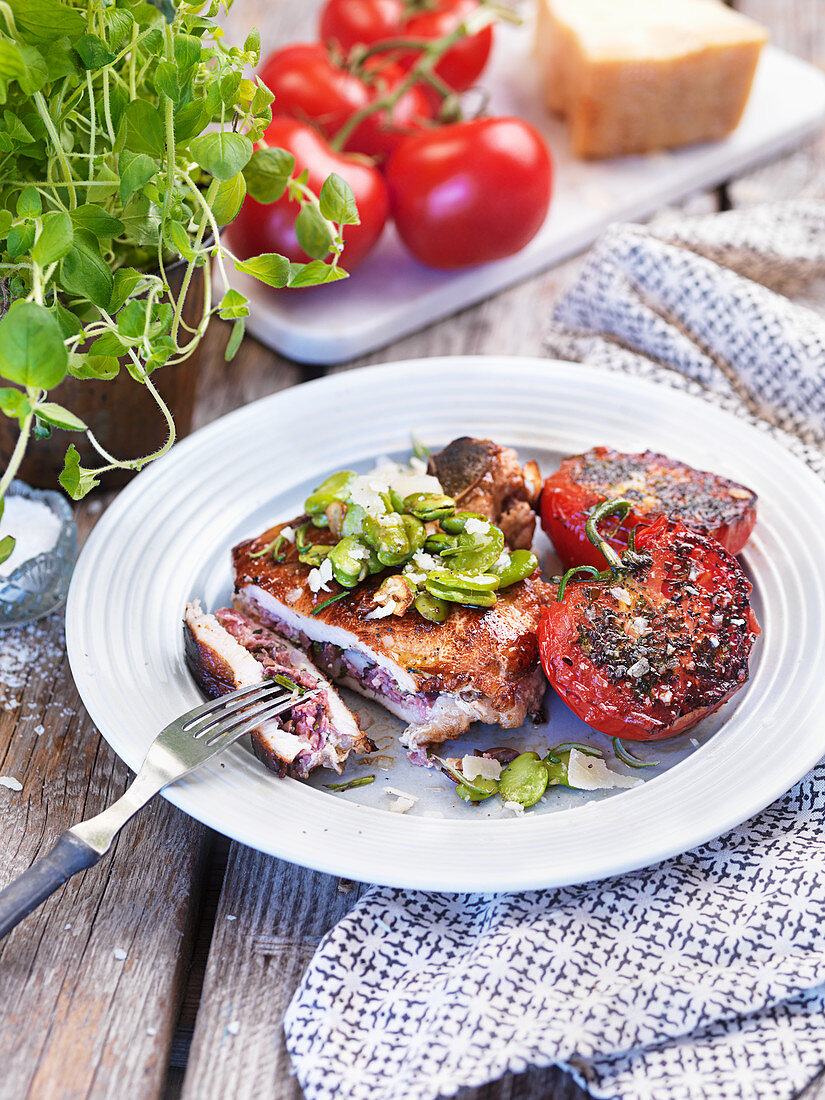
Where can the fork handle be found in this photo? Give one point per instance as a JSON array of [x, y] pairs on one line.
[[27, 891]]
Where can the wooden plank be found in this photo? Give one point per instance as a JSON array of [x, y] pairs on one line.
[[79, 1020], [271, 918]]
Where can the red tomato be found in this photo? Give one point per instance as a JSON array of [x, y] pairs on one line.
[[365, 22], [464, 63], [362, 22], [657, 485], [470, 192], [271, 228], [651, 652], [308, 85]]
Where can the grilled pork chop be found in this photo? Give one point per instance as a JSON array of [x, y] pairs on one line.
[[479, 665], [483, 477], [226, 651]]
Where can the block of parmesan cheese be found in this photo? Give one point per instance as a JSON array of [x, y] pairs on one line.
[[633, 76]]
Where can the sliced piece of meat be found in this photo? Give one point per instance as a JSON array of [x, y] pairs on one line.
[[227, 650], [486, 478], [438, 677]]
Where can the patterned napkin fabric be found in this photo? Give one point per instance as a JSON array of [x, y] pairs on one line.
[[702, 978]]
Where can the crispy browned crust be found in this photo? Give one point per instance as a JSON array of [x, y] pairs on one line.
[[213, 675], [486, 651]]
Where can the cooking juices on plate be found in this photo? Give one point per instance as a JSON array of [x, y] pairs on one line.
[[416, 586]]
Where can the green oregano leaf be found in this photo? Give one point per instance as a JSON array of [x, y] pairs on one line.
[[59, 417], [313, 274], [235, 338], [85, 365], [136, 170], [32, 352], [313, 233], [14, 403], [84, 272], [93, 52], [97, 220], [222, 154], [29, 203], [269, 268], [233, 305], [76, 480], [267, 174], [126, 281], [143, 129], [228, 198], [54, 239], [337, 201]]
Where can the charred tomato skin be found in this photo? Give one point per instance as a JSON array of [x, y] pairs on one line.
[[705, 502], [651, 653]]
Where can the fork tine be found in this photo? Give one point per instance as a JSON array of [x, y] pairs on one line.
[[234, 704], [223, 702], [244, 723], [217, 723]]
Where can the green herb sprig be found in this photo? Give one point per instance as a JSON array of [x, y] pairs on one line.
[[127, 141]]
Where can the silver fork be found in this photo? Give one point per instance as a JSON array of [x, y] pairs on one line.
[[184, 745]]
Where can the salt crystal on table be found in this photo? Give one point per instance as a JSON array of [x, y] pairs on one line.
[[34, 527], [233, 1027], [11, 783], [119, 954]]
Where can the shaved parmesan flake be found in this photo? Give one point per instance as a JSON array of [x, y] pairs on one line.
[[380, 612], [475, 526], [403, 801], [516, 808], [589, 773], [474, 766], [288, 533]]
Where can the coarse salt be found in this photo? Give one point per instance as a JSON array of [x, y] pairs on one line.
[[119, 954], [10, 782], [34, 527], [233, 1027]]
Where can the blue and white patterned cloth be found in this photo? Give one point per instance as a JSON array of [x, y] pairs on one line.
[[702, 978]]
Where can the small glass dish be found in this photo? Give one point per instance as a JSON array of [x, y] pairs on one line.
[[39, 586]]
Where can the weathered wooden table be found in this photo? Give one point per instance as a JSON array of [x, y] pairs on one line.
[[165, 971]]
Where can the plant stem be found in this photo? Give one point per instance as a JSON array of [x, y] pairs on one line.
[[17, 453], [43, 111]]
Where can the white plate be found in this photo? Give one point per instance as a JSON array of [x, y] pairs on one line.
[[166, 539], [392, 294]]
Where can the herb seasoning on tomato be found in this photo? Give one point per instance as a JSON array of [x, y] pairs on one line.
[[655, 485], [648, 647]]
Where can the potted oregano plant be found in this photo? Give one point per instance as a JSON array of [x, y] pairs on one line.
[[127, 141]]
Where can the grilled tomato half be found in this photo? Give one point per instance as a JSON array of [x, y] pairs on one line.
[[648, 647], [656, 486]]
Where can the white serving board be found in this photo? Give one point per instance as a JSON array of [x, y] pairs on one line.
[[392, 294]]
